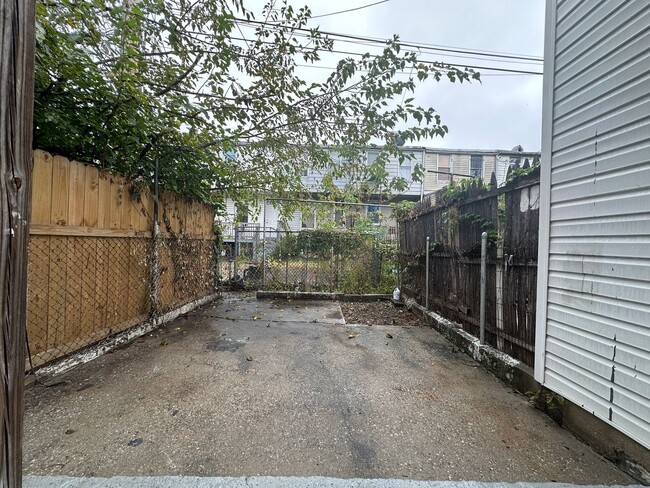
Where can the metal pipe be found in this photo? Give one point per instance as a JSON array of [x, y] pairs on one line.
[[237, 236], [450, 173], [426, 298], [328, 202], [155, 267], [306, 264], [263, 243], [483, 285]]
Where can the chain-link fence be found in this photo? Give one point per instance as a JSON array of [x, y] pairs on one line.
[[347, 261], [84, 289]]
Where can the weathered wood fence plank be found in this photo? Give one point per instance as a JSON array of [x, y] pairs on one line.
[[454, 227], [90, 255]]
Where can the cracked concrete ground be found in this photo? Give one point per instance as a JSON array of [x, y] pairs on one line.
[[255, 388]]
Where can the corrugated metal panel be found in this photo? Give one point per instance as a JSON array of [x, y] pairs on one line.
[[595, 246]]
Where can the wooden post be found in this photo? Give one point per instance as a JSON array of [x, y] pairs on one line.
[[16, 110]]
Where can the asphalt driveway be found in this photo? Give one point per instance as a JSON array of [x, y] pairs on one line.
[[244, 387]]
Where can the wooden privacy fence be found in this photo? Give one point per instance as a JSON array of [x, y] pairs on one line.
[[95, 268], [454, 220]]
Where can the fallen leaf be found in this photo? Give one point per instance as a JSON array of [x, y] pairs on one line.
[[249, 358], [389, 335], [163, 342], [352, 336], [255, 317]]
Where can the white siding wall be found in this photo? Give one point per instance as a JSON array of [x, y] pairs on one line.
[[502, 165], [313, 179], [593, 342]]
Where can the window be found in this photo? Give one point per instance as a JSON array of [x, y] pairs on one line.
[[242, 215], [476, 166], [443, 167], [374, 213], [308, 221], [304, 172], [372, 157], [405, 170]]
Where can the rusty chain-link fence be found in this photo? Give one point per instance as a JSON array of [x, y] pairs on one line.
[[107, 254], [85, 289], [347, 261]]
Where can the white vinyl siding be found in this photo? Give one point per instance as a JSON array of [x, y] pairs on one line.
[[430, 179], [593, 340], [444, 168]]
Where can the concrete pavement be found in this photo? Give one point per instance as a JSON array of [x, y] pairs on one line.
[[271, 482], [255, 388]]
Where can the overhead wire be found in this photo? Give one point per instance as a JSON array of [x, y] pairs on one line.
[[332, 68], [265, 23], [403, 43], [427, 61], [348, 10], [375, 44]]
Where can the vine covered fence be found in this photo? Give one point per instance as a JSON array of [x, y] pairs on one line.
[[454, 219], [95, 267]]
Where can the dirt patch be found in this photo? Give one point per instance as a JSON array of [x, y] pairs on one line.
[[378, 313]]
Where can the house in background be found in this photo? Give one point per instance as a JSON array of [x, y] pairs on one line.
[[593, 295], [440, 165]]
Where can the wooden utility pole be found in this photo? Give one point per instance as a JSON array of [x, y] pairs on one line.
[[16, 109]]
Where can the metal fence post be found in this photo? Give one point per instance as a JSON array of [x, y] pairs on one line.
[[286, 269], [426, 298], [483, 285], [305, 254], [263, 243], [234, 266], [155, 258]]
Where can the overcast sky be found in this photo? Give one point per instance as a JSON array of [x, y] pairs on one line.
[[499, 113]]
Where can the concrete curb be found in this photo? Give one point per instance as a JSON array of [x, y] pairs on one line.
[[106, 345], [267, 482], [506, 368], [308, 295]]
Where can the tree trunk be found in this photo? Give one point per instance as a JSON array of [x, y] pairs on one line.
[[16, 108]]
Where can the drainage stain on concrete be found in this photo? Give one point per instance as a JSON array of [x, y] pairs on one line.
[[224, 345]]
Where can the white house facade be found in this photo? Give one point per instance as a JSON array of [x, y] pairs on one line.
[[593, 298], [440, 167]]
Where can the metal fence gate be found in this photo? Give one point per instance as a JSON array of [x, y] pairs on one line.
[[346, 261]]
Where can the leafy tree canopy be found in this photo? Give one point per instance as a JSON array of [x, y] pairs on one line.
[[125, 83]]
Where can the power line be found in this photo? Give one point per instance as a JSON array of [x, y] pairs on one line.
[[425, 61], [351, 53], [332, 68], [375, 44], [348, 10], [402, 43]]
